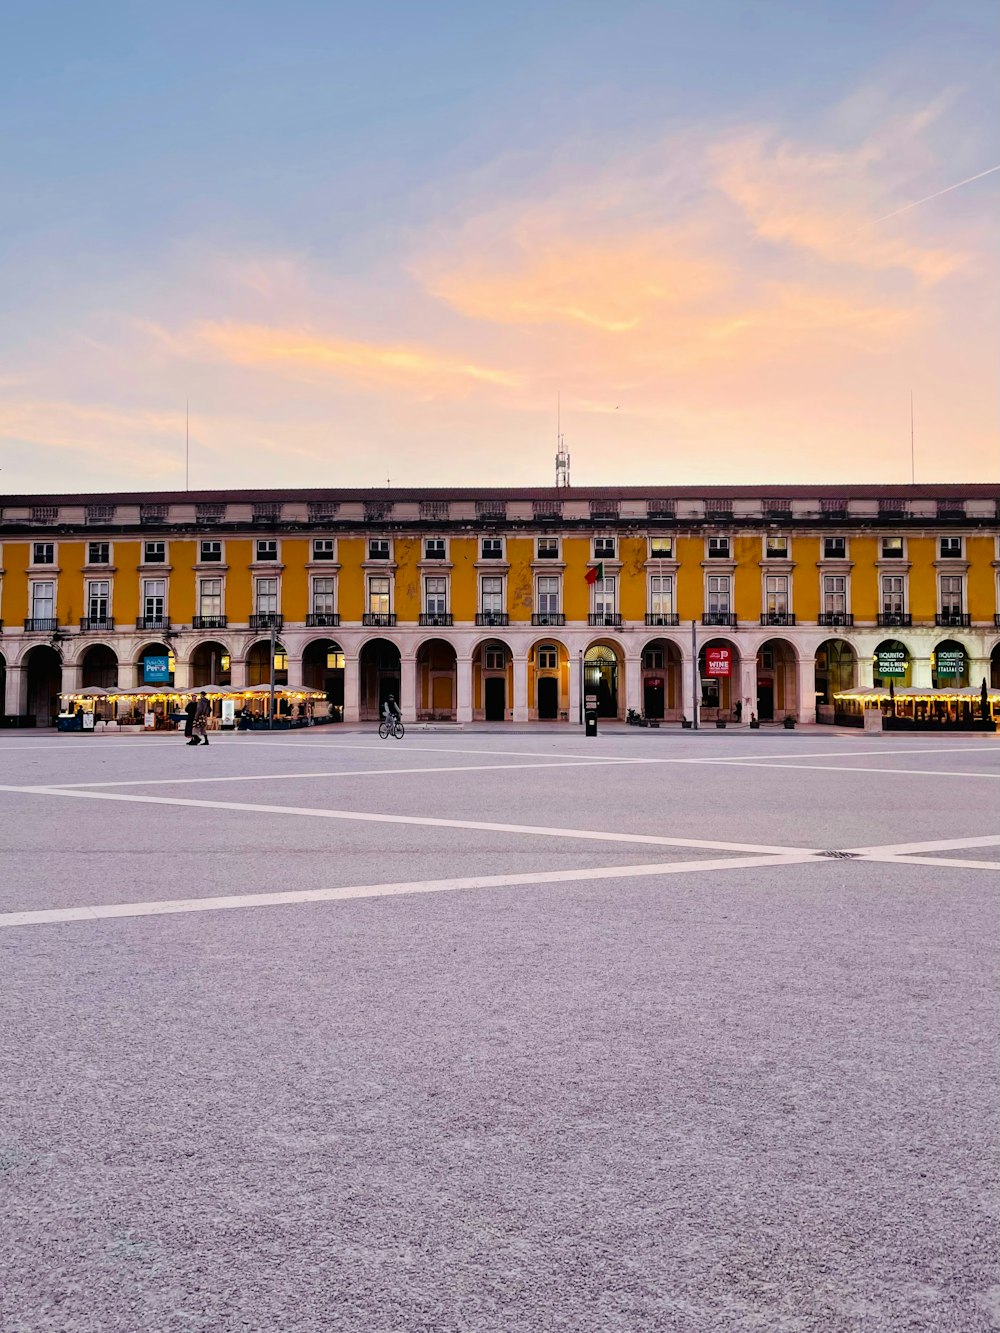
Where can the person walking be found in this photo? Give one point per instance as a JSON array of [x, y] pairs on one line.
[[202, 713], [190, 709]]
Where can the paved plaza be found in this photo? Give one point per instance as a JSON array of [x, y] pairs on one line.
[[499, 1033]]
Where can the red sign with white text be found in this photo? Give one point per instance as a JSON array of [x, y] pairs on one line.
[[718, 661]]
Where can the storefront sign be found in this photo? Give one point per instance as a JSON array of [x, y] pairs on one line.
[[228, 712], [88, 721], [718, 661], [891, 662], [156, 670], [950, 662]]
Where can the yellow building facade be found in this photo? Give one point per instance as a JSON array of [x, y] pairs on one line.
[[506, 605]]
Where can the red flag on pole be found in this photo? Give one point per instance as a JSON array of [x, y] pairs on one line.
[[597, 572]]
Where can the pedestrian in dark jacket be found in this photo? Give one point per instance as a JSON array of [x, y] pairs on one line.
[[202, 713], [190, 709]]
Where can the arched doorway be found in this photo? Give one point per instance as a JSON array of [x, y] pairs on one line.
[[548, 680], [777, 681], [836, 671], [379, 676], [995, 667], [719, 673], [950, 665], [437, 681], [99, 668], [3, 686], [661, 680], [600, 678], [259, 663], [891, 662], [211, 664], [43, 671], [323, 669], [492, 683], [156, 664]]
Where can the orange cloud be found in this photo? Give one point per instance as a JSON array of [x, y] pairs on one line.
[[302, 349]]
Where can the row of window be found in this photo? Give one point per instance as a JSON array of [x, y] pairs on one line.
[[492, 596], [492, 548]]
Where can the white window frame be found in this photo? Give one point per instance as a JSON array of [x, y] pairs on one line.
[[155, 541], [33, 586], [548, 578], [653, 593], [315, 593], [951, 555], [610, 554], [380, 542], [661, 555], [444, 593], [491, 651], [554, 542], [786, 554], [501, 553], [323, 549], [369, 594], [492, 578], [778, 594], [211, 578], [259, 559], [91, 595], [204, 559], [604, 596], [547, 649], [892, 537], [99, 564], [43, 546], [269, 610], [955, 578], [719, 593], [144, 597], [824, 593], [441, 542], [888, 594], [836, 537]]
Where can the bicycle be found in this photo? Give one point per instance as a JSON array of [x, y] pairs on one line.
[[391, 727]]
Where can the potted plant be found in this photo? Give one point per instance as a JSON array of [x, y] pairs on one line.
[[789, 724]]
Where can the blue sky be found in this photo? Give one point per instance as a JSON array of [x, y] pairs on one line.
[[377, 241]]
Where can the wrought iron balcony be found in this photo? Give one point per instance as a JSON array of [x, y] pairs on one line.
[[662, 618], [548, 618], [379, 619], [777, 618], [92, 624], [492, 618], [610, 619], [267, 620], [894, 619], [209, 622], [325, 619], [435, 618], [152, 622], [725, 618], [954, 619], [41, 624], [835, 618]]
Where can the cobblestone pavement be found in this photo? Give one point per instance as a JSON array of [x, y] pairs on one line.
[[482, 1033]]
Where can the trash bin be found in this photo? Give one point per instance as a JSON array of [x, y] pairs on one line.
[[590, 722]]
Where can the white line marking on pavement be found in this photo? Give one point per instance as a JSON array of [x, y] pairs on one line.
[[937, 844], [933, 861], [852, 768], [419, 821], [350, 773], [58, 915]]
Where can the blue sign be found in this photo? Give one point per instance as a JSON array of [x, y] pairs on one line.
[[156, 670]]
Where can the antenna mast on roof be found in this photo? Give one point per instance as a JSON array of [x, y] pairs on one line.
[[562, 457]]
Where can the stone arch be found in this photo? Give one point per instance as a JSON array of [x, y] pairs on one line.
[[777, 680], [379, 675], [995, 666], [3, 685], [258, 660], [211, 663], [323, 669], [950, 664], [99, 667], [719, 693], [836, 667], [661, 679], [154, 649], [43, 679], [549, 669], [893, 646], [492, 680], [437, 680], [604, 677]]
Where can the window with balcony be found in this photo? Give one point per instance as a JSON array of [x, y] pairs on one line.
[[378, 548], [378, 596], [893, 600], [834, 548], [776, 610], [835, 598], [547, 593], [435, 548], [266, 597], [661, 600], [491, 548], [892, 548], [43, 553], [951, 548], [324, 548], [776, 548], [436, 601], [952, 599], [98, 600], [154, 600], [604, 548], [604, 601], [547, 548], [210, 600], [98, 553], [324, 599], [718, 598], [43, 601], [154, 553], [661, 548], [210, 553], [491, 600], [266, 549]]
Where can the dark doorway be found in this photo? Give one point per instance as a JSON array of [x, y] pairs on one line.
[[44, 683], [496, 699], [548, 697], [99, 668], [379, 669], [323, 669], [652, 697], [765, 701]]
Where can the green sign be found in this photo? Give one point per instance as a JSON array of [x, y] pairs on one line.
[[950, 662], [891, 662]]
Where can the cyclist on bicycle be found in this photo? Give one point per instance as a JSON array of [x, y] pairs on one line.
[[390, 710]]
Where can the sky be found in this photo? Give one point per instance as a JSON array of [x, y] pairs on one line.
[[405, 243]]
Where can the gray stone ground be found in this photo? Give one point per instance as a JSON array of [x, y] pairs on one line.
[[738, 1099]]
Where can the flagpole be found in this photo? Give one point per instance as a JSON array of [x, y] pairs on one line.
[[694, 674]]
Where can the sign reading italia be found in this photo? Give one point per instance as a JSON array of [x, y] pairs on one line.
[[156, 670], [891, 662], [718, 661], [950, 662]]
